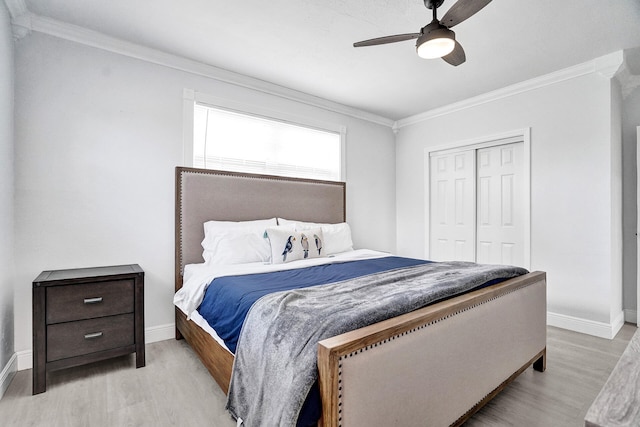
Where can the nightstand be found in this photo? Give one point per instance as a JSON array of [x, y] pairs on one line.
[[85, 315]]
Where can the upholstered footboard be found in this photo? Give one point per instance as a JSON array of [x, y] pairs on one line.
[[438, 365]]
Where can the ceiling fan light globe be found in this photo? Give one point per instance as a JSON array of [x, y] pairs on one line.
[[436, 43], [436, 48]]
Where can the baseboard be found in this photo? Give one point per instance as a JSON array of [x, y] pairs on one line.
[[160, 333], [631, 316], [152, 334], [590, 327], [25, 360], [7, 374]]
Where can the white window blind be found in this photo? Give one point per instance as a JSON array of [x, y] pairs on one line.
[[239, 142]]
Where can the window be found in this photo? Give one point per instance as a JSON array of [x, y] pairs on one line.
[[229, 140]]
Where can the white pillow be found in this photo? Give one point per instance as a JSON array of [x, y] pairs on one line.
[[230, 242], [289, 245], [337, 237]]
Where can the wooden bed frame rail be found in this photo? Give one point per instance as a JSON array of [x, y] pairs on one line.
[[213, 356]]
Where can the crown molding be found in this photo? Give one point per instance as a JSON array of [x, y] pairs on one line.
[[33, 22], [24, 22], [607, 65]]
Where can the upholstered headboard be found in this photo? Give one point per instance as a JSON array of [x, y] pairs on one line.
[[203, 195]]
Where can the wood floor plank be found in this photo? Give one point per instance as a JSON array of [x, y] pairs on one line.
[[175, 389]]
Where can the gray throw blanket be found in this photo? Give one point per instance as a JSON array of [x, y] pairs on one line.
[[275, 362]]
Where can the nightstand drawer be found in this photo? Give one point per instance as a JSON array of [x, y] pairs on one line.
[[86, 301], [89, 336]]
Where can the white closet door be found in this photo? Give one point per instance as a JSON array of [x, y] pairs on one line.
[[452, 214], [500, 205]]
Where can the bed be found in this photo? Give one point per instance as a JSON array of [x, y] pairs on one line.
[[433, 366]]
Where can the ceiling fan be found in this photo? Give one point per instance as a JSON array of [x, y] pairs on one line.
[[436, 40]]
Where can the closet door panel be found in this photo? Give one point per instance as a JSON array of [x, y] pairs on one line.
[[452, 207], [500, 225]]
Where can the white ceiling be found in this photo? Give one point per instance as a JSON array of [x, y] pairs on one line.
[[307, 45]]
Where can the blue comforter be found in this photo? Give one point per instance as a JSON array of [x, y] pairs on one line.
[[228, 299]]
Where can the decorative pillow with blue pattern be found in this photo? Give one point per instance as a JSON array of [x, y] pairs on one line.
[[288, 244], [337, 236]]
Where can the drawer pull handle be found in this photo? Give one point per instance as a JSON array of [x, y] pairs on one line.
[[92, 336], [92, 300]]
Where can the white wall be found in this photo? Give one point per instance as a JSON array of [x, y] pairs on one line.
[[630, 120], [98, 136], [573, 210], [6, 198], [615, 227]]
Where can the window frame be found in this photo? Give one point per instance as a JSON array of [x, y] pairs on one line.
[[192, 97]]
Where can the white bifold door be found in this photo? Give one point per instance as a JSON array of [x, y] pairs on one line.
[[477, 205]]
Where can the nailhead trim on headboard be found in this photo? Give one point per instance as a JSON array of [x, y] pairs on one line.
[[325, 202]]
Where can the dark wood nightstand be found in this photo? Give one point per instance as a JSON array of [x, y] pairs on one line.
[[84, 315]]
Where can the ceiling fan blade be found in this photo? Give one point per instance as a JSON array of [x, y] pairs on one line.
[[461, 11], [387, 39], [457, 56]]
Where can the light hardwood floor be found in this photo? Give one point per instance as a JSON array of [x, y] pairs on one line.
[[174, 389]]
